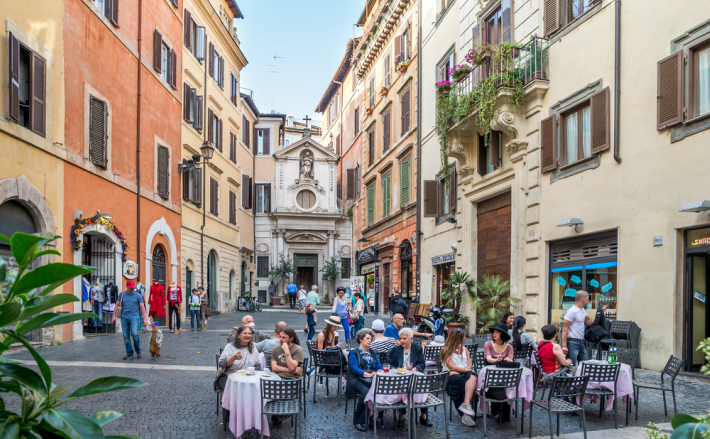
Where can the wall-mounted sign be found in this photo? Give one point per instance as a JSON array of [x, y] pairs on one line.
[[443, 259], [368, 269], [700, 296], [130, 269], [657, 240]]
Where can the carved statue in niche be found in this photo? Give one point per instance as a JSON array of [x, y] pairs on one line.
[[307, 166]]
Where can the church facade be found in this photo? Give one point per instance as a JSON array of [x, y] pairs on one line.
[[299, 216]]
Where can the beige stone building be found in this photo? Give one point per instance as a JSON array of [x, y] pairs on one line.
[[215, 111]]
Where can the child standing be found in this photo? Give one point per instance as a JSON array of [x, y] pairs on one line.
[[310, 314], [194, 309], [156, 340]]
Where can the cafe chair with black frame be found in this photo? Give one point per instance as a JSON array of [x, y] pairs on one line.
[[480, 357], [522, 355], [392, 385], [431, 353], [481, 339], [331, 359], [630, 358], [604, 373], [219, 394], [430, 385], [501, 379], [312, 344], [672, 368], [284, 399], [539, 376], [304, 386], [419, 339], [564, 389]]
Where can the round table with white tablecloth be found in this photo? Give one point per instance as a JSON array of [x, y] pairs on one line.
[[392, 399], [525, 388], [624, 383], [242, 397]]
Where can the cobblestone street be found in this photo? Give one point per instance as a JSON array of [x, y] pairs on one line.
[[179, 401]]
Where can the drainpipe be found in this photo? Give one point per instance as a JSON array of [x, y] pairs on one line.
[[417, 266], [204, 179], [617, 76], [138, 143]]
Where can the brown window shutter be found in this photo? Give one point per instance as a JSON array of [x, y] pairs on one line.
[[552, 16], [431, 198], [186, 186], [405, 111], [210, 115], [548, 144], [220, 137], [185, 102], [245, 191], [386, 132], [173, 69], [198, 187], [97, 132], [482, 164], [452, 189], [599, 109], [350, 192], [255, 140], [38, 87], [493, 142], [267, 142], [200, 116], [163, 169], [14, 68], [371, 146], [211, 60], [221, 72], [157, 47], [397, 50], [669, 100], [251, 193], [216, 198], [187, 29]]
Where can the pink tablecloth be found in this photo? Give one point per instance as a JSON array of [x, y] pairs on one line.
[[242, 397], [525, 388], [392, 399], [624, 385]]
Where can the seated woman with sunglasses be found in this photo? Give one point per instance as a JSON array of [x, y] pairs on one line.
[[363, 365], [462, 379]]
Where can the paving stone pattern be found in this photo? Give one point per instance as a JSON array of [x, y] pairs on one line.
[[181, 403]]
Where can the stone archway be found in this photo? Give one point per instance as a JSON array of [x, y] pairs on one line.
[[19, 189], [162, 227]]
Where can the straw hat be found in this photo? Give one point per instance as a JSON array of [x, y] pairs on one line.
[[334, 320]]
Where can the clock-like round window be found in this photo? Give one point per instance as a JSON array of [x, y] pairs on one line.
[[306, 199]]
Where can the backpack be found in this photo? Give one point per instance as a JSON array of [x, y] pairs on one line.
[[400, 306], [597, 331]]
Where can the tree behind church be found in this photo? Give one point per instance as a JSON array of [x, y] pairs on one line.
[[282, 270], [332, 269]]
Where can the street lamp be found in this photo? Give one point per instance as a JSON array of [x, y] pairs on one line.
[[207, 150]]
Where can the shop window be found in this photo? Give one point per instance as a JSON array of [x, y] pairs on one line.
[[345, 267], [262, 266], [27, 71], [263, 198]]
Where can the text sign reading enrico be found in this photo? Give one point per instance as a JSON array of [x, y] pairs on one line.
[[443, 259]]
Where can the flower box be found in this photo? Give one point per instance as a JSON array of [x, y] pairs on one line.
[[402, 67], [459, 72], [383, 91], [443, 88], [368, 110]]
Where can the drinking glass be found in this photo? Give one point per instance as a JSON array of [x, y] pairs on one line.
[[386, 367], [594, 354], [605, 356], [406, 365]]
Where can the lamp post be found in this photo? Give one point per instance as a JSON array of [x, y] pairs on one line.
[[207, 152]]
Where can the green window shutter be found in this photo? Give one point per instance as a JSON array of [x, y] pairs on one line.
[[370, 206], [385, 197], [404, 183]]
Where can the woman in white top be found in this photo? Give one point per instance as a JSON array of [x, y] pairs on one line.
[[462, 379], [237, 356], [302, 299]]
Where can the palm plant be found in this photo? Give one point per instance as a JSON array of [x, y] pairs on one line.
[[459, 287], [492, 300], [282, 270], [25, 294]]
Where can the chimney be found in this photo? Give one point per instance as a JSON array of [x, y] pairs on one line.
[[289, 122]]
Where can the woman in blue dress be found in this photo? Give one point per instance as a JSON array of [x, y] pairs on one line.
[[340, 307]]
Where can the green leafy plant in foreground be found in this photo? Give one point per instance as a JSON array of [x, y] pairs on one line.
[[25, 295], [459, 287]]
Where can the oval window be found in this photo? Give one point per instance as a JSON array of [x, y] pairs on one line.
[[306, 199]]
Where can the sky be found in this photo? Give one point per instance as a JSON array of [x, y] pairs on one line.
[[311, 35]]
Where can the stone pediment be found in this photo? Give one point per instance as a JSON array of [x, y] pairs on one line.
[[308, 238], [294, 150]]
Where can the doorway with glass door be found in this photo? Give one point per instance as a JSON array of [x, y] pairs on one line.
[[697, 282]]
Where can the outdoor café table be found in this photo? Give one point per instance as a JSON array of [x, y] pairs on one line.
[[393, 399], [525, 388], [624, 384], [242, 397]]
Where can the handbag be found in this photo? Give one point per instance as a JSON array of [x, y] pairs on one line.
[[119, 306]]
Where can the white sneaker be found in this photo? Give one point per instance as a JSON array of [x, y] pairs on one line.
[[466, 408], [466, 419]]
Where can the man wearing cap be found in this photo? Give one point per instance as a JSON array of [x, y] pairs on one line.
[[132, 307]]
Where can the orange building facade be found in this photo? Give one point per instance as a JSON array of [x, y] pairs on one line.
[[123, 127]]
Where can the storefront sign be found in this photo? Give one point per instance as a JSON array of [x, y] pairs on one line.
[[130, 269], [366, 256], [443, 259], [698, 237], [368, 269], [700, 241]]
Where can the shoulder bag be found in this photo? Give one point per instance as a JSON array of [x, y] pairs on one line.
[[119, 306]]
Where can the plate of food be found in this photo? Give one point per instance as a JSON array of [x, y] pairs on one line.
[[401, 370], [242, 371], [267, 374]]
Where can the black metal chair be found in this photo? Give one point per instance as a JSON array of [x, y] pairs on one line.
[[219, 394], [604, 373], [672, 368], [564, 389], [472, 349], [628, 357], [331, 359], [501, 379], [267, 360], [313, 344], [225, 413], [304, 377], [539, 376], [392, 385], [480, 363], [431, 353], [428, 384], [522, 355], [418, 339], [384, 357], [285, 399], [481, 339]]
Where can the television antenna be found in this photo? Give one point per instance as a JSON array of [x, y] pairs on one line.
[[273, 80]]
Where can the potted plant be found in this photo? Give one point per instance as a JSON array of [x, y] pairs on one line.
[[368, 110], [402, 66], [282, 270], [383, 91], [492, 300], [326, 299], [535, 66], [331, 271], [459, 287], [459, 71], [443, 87]]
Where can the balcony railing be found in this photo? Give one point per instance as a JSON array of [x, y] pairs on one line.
[[524, 64]]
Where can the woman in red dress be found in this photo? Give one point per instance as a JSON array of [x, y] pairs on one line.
[[156, 300]]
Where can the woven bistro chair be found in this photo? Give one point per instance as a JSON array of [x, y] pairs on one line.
[[328, 358], [502, 379], [539, 376], [431, 353], [564, 389], [472, 349], [481, 339], [392, 385], [480, 362], [431, 385], [604, 373], [284, 396], [672, 368], [628, 357], [313, 344], [522, 355]]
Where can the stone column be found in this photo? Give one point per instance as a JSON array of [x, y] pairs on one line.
[[331, 244], [280, 242]]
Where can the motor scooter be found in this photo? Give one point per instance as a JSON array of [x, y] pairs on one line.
[[435, 323]]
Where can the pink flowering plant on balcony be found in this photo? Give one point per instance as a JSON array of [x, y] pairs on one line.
[[459, 71], [444, 86], [478, 53]]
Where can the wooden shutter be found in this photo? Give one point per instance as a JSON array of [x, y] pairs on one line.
[[493, 142], [431, 198], [370, 205], [220, 139], [599, 109], [192, 108], [38, 87], [173, 69], [482, 163], [187, 29], [405, 112], [386, 196], [14, 68], [157, 48], [548, 144], [251, 193], [232, 207], [199, 117], [669, 100], [97, 132], [267, 142], [245, 191], [350, 181], [211, 61], [163, 169], [245, 129], [221, 72], [371, 146], [111, 9], [186, 102], [404, 183], [186, 185], [452, 190], [552, 16], [210, 126], [397, 50], [175, 3], [386, 132], [255, 140], [197, 184], [357, 120], [213, 198]]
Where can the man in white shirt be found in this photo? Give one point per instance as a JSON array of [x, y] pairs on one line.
[[573, 330]]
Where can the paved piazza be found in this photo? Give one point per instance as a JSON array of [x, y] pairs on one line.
[[179, 401]]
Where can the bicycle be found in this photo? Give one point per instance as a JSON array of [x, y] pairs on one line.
[[247, 303]]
